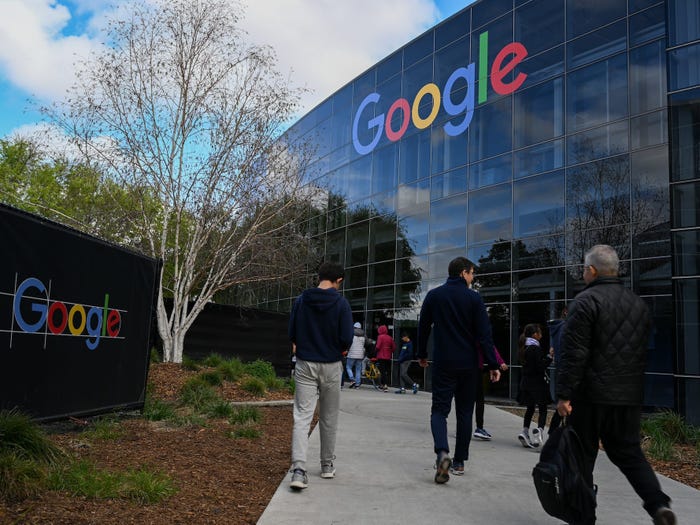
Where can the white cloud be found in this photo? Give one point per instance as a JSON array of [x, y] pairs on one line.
[[34, 54], [326, 43]]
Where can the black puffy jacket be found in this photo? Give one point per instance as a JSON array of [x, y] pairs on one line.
[[604, 346]]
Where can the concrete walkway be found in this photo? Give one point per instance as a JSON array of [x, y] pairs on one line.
[[384, 463]]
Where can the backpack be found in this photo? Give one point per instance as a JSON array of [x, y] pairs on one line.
[[561, 487]]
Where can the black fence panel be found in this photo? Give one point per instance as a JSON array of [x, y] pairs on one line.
[[75, 320]]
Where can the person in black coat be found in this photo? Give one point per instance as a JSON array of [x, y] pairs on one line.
[[534, 388], [600, 377]]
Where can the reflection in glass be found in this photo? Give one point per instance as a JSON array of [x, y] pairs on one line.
[[454, 28], [683, 67], [687, 306], [650, 193], [494, 287], [539, 113], [357, 298], [414, 157], [686, 205], [585, 107], [490, 130], [449, 183], [415, 233], [335, 247], [647, 77], [598, 143], [652, 276], [660, 356], [384, 169], [538, 204], [411, 269], [381, 298], [539, 285], [540, 24], [438, 263], [490, 216], [355, 277], [538, 252], [491, 257], [357, 242], [489, 172], [683, 21], [537, 159], [447, 223], [685, 132], [686, 253], [448, 59], [382, 273], [382, 244], [598, 44], [448, 152], [578, 242], [647, 25], [649, 130], [543, 66], [413, 198], [582, 17]]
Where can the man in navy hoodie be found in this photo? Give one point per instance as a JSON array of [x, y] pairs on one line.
[[321, 329], [459, 319]]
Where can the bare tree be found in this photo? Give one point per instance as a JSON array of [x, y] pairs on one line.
[[178, 102]]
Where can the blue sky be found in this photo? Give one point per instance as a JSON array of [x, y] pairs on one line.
[[41, 39]]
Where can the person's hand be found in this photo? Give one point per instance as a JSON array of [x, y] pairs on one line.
[[494, 375], [504, 367], [423, 363], [564, 408]]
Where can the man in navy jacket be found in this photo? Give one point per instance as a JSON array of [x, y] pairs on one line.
[[320, 328], [457, 317]]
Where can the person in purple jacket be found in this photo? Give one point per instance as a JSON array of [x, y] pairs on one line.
[[321, 329], [458, 320]]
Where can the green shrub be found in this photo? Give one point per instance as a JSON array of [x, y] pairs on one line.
[[213, 377], [275, 383], [158, 410], [254, 385], [198, 394], [220, 409], [291, 385], [19, 435], [155, 355], [231, 370], [261, 369], [189, 420], [103, 428], [246, 432], [213, 360], [143, 486], [20, 478], [190, 364], [245, 414]]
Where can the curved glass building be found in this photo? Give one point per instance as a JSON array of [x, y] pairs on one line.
[[520, 133]]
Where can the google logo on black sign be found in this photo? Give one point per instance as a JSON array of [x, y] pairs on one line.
[[506, 60], [52, 317]]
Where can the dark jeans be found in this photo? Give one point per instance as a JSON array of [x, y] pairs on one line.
[[384, 366], [479, 403], [618, 429], [449, 383]]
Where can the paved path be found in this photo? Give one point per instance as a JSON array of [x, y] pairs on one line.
[[384, 475]]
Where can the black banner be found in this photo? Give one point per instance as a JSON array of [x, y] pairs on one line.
[[75, 320]]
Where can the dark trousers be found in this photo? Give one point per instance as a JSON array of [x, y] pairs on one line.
[[384, 366], [457, 384], [479, 402], [617, 427]]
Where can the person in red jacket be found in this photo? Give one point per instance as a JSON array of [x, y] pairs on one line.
[[385, 349]]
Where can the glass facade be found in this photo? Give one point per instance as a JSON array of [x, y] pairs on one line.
[[520, 133]]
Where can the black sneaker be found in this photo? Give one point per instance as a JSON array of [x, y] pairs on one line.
[[442, 468], [299, 479], [664, 516]]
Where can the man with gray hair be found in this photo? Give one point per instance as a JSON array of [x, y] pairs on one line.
[[600, 378]]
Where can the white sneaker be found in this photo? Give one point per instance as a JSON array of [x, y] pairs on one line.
[[524, 438], [537, 436]]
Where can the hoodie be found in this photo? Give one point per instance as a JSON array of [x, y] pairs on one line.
[[357, 350], [385, 344], [321, 325]]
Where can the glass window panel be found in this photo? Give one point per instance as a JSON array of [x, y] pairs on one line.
[[491, 257], [383, 203], [598, 44], [684, 67], [447, 152], [487, 10], [683, 21], [415, 78], [650, 194], [500, 33], [578, 242], [539, 158], [647, 77], [539, 25], [597, 93], [450, 58], [543, 66], [685, 136], [584, 16], [414, 198], [686, 205], [414, 157], [357, 298], [686, 253], [408, 295], [598, 143], [438, 263], [653, 242], [598, 194], [688, 394], [381, 273], [382, 245], [452, 29], [652, 276], [359, 211], [389, 67], [539, 285], [491, 129], [538, 252], [660, 356], [649, 130], [492, 171], [335, 218], [411, 269], [357, 243], [687, 299], [638, 5], [448, 224], [493, 287], [412, 236], [355, 277], [539, 113], [449, 183], [419, 48], [362, 87], [335, 247], [659, 391], [490, 215], [384, 168], [647, 25], [538, 205]]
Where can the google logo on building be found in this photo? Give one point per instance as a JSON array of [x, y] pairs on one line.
[[505, 61], [53, 317]]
